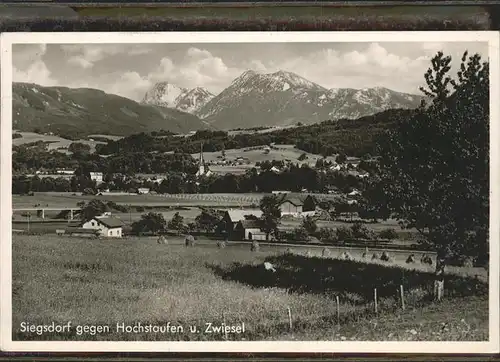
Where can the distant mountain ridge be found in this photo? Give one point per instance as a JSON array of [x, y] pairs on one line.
[[283, 98], [169, 95], [79, 112]]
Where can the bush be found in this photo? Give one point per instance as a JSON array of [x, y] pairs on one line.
[[343, 233], [360, 231], [117, 207], [327, 235], [388, 234], [300, 234]]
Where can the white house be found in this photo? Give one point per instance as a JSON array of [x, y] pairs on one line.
[[96, 176], [143, 190], [354, 193], [107, 226], [65, 172]]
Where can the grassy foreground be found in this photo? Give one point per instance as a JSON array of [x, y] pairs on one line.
[[105, 282]]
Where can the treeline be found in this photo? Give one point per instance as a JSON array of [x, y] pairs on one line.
[[32, 158], [293, 178], [353, 137]]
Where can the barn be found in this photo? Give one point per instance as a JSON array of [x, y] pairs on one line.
[[291, 206], [248, 230], [107, 226], [232, 217], [296, 205]]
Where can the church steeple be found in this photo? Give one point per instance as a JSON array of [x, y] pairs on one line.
[[202, 170]]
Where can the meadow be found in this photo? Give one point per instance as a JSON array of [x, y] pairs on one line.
[[55, 142], [256, 154], [68, 199], [104, 282]]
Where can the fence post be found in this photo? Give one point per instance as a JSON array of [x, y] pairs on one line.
[[401, 290], [338, 311], [375, 299], [290, 318], [224, 323]]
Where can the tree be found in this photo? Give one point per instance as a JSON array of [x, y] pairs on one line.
[[150, 222], [208, 220], [309, 224], [300, 234], [341, 158], [176, 223], [92, 209], [271, 214], [78, 149], [434, 166]]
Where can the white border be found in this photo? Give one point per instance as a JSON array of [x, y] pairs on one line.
[[8, 39]]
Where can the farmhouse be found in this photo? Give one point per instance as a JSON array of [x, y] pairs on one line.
[[248, 230], [296, 205], [96, 176], [232, 217], [291, 206], [107, 226], [143, 190]]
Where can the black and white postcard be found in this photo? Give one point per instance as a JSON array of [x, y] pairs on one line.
[[250, 192]]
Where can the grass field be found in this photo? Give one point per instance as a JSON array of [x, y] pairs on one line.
[[104, 282], [68, 199], [56, 142], [284, 152]]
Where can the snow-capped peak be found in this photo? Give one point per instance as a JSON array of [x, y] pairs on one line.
[[163, 94], [169, 95]]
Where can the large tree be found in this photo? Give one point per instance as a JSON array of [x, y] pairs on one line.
[[150, 222], [435, 166], [176, 223], [271, 214], [92, 209]]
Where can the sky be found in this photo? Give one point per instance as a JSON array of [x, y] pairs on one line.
[[129, 70]]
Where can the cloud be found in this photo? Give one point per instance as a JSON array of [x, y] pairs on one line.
[[81, 62], [130, 85], [86, 55], [198, 68], [129, 70], [29, 66]]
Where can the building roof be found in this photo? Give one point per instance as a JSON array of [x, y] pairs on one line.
[[297, 200], [239, 215], [250, 224], [293, 200], [110, 222]]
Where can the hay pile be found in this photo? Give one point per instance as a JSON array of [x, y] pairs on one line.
[[189, 241], [426, 259], [385, 257], [162, 240], [410, 259], [255, 246]]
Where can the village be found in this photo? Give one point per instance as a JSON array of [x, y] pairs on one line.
[[244, 221]]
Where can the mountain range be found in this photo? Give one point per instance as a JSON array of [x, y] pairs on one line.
[[253, 99], [278, 99], [73, 113]]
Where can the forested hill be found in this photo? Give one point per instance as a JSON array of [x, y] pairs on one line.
[[76, 113], [353, 137]]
